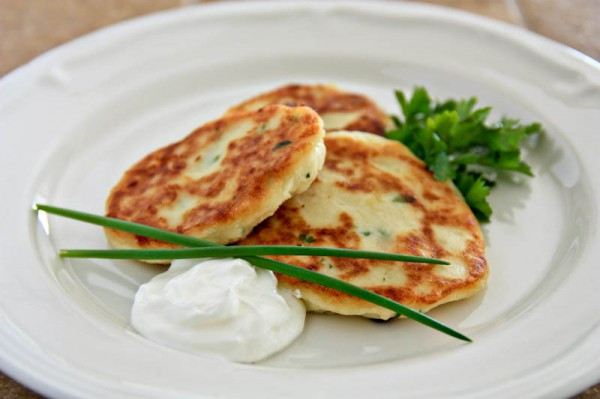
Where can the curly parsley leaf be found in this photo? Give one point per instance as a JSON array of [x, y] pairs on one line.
[[453, 139]]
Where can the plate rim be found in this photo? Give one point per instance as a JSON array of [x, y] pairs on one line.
[[28, 377]]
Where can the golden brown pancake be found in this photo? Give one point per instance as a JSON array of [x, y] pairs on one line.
[[374, 194], [340, 110], [222, 179]]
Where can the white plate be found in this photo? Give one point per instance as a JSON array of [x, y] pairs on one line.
[[75, 118]]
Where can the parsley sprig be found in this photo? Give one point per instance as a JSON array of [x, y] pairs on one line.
[[456, 143]]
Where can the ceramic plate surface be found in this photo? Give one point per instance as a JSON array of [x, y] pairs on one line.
[[74, 119]]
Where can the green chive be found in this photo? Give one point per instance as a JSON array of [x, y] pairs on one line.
[[405, 199], [238, 251], [305, 238], [269, 264], [282, 144], [383, 232], [399, 198]]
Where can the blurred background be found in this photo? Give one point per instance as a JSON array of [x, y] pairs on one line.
[[30, 27]]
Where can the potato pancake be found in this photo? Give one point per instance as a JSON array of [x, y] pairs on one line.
[[222, 179], [374, 194], [340, 110]]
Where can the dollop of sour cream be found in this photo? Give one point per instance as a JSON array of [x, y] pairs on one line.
[[222, 306]]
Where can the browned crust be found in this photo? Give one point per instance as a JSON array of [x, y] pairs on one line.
[[440, 205], [326, 99], [251, 163]]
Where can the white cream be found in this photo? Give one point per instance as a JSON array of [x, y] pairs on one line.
[[222, 306]]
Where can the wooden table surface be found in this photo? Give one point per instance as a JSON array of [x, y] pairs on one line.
[[31, 27]]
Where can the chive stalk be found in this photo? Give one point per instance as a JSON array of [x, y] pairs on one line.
[[264, 263], [238, 251]]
